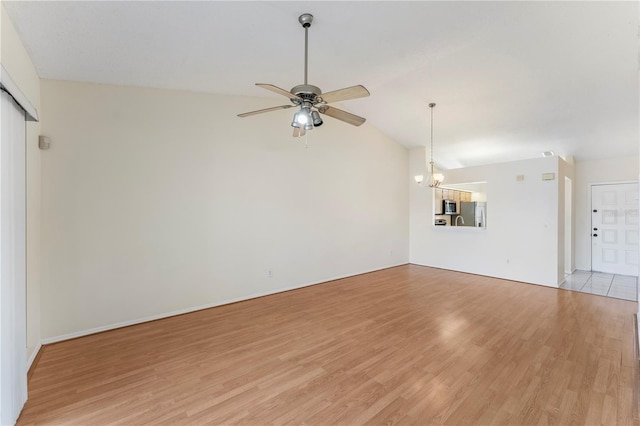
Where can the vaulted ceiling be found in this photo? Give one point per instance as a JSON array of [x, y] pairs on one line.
[[510, 79]]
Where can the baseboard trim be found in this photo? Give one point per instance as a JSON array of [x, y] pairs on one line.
[[636, 370], [32, 362], [506, 278], [75, 335]]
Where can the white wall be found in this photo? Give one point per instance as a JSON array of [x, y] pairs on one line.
[[17, 62], [158, 201], [623, 169], [521, 238]]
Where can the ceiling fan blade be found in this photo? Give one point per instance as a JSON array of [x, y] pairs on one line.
[[302, 131], [276, 89], [260, 111], [341, 115], [345, 94], [296, 132]]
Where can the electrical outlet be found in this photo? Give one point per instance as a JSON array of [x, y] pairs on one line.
[[270, 273]]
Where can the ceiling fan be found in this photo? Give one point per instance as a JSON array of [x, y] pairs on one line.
[[310, 99]]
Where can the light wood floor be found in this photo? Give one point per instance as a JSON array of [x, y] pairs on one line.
[[407, 345]]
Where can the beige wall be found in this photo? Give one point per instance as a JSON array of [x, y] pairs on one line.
[[17, 62], [159, 201], [623, 169]]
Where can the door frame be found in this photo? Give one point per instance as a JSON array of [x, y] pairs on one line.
[[569, 225], [590, 211]]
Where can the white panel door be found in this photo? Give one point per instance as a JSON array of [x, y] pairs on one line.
[[614, 228]]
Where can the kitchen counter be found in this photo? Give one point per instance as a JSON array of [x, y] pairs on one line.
[[460, 228]]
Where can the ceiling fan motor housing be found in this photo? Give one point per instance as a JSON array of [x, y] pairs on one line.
[[306, 91]]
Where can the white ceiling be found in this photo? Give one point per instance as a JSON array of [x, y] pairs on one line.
[[510, 79]]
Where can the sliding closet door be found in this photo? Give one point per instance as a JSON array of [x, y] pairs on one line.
[[13, 342]]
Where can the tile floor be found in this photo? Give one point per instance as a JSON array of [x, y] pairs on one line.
[[610, 285]]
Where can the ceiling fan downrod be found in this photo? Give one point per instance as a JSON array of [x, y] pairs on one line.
[[305, 20]]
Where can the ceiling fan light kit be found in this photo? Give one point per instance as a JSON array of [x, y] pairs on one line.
[[310, 99]]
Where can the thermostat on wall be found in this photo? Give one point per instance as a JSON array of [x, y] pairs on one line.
[[548, 176]]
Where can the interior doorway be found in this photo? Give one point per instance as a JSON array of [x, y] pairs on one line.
[[568, 226], [614, 228]]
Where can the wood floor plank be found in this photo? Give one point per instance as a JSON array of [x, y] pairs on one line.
[[405, 345]]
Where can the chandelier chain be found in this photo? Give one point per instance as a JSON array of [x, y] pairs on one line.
[[431, 105], [434, 179]]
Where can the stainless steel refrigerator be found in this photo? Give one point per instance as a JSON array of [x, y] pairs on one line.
[[472, 213]]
